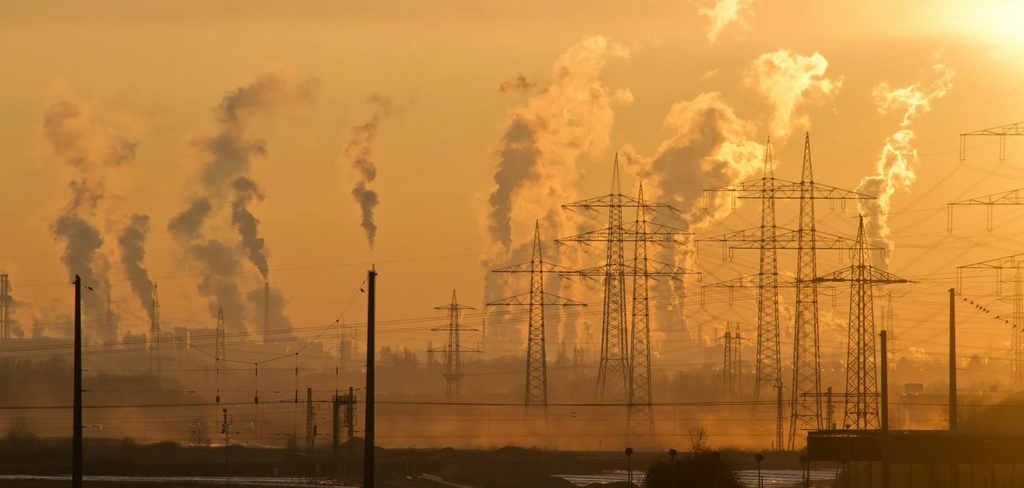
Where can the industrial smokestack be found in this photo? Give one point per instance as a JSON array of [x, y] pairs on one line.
[[266, 312]]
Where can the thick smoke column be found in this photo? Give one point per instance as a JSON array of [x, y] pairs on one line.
[[133, 252], [89, 150], [895, 168], [788, 81], [226, 183], [248, 226], [537, 155], [358, 152], [569, 114], [711, 147], [723, 13]]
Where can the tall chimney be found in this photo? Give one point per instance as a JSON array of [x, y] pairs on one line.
[[266, 312]]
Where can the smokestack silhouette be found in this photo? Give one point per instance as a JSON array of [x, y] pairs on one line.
[[359, 152]]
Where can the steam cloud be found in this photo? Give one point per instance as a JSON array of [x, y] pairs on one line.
[[712, 147], [568, 116], [133, 252], [89, 150], [519, 83], [723, 13], [226, 178], [895, 168], [358, 152], [787, 81]]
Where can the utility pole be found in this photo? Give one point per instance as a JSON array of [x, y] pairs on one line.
[[310, 420], [76, 424], [536, 356], [954, 469], [861, 374], [807, 240], [453, 349], [369, 466], [1013, 262], [886, 454], [5, 306], [154, 333]]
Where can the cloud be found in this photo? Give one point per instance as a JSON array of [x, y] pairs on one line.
[[723, 13], [789, 81], [519, 83]]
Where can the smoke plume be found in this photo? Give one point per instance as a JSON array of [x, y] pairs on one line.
[[227, 183], [538, 151], [278, 320], [896, 166], [89, 150], [247, 224], [519, 83], [133, 252], [787, 81], [536, 169], [723, 13], [358, 152]]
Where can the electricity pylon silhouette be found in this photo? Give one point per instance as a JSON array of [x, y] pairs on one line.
[[219, 352], [453, 349], [1014, 262], [154, 333], [6, 303], [806, 411], [642, 232], [613, 367], [861, 369], [536, 300]]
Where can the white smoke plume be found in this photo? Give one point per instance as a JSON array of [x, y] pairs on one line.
[[711, 147], [789, 81], [723, 13], [895, 169], [89, 150], [227, 172], [358, 153], [568, 115]]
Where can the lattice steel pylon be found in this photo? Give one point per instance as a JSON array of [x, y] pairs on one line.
[[806, 412], [732, 364], [642, 269], [1016, 263], [536, 354], [613, 367], [453, 349], [5, 306], [1001, 132], [154, 333], [219, 352], [861, 368]]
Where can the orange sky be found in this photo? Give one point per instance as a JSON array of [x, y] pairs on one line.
[[155, 73]]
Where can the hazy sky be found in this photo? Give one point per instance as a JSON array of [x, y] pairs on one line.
[[597, 77]]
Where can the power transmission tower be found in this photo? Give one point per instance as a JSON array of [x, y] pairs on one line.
[[861, 371], [154, 333], [889, 325], [5, 307], [806, 412], [218, 348], [108, 325], [613, 367], [732, 369], [310, 420], [1006, 198], [453, 349], [640, 410], [1001, 132], [536, 300], [1014, 262], [728, 386]]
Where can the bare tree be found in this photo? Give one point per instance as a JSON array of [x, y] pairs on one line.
[[199, 432], [21, 429], [700, 439]]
